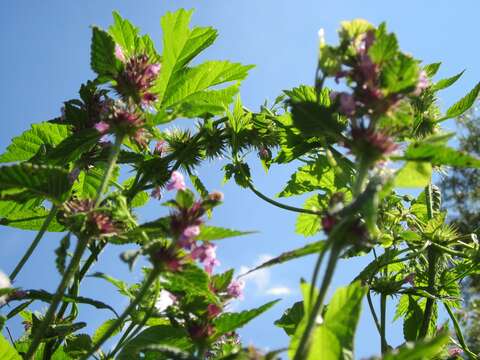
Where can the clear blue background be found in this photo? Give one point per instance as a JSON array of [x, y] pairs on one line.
[[45, 57]]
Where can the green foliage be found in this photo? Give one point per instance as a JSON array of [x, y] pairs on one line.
[[291, 318], [463, 104], [414, 174], [7, 351], [102, 59], [309, 224]]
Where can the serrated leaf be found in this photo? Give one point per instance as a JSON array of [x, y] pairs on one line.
[[384, 47], [77, 345], [124, 33], [7, 351], [29, 219], [414, 174], [121, 286], [432, 69], [102, 329], [48, 181], [309, 224], [421, 350], [308, 249], [445, 83], [291, 318], [156, 335], [31, 142], [463, 104], [61, 253], [228, 322], [73, 147], [212, 233], [221, 281], [192, 280], [102, 57]]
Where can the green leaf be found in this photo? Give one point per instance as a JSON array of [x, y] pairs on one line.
[[445, 83], [8, 352], [124, 34], [121, 286], [62, 252], [308, 249], [400, 74], [421, 350], [156, 335], [192, 280], [463, 104], [212, 233], [88, 181], [102, 58], [435, 151], [48, 181], [192, 81], [180, 46], [31, 142], [228, 322], [102, 329], [384, 47], [291, 318], [309, 224], [432, 69], [77, 345], [73, 147], [414, 174], [221, 281], [28, 219]]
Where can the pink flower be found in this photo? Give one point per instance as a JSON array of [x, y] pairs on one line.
[[455, 351], [119, 53], [328, 222], [191, 231], [102, 127], [152, 70], [422, 84], [213, 310], [410, 279], [177, 182], [207, 255], [159, 147], [235, 289]]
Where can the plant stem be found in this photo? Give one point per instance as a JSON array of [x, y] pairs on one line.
[[374, 314], [112, 161], [362, 173], [57, 297], [383, 315], [119, 321], [304, 345], [459, 333], [432, 265], [35, 242], [280, 205], [316, 270]]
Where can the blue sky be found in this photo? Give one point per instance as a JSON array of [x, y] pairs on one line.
[[45, 58]]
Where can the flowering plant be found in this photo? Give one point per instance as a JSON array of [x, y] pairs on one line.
[[358, 146]]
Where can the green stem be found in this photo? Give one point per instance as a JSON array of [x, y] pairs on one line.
[[383, 315], [362, 173], [35, 242], [459, 333], [304, 345], [127, 332], [316, 270], [119, 321], [374, 314], [450, 251], [57, 297], [280, 205]]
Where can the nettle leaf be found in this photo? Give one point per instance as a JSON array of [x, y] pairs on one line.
[[62, 252], [31, 142], [421, 350], [384, 47], [124, 33], [400, 74], [432, 69], [212, 233], [193, 81], [180, 46], [414, 174], [89, 180], [156, 335], [221, 281], [435, 151], [102, 53], [308, 249], [29, 219], [49, 181], [463, 104], [121, 286], [318, 175], [73, 147], [192, 280], [291, 318], [7, 351], [445, 83], [228, 322], [77, 345], [102, 329], [309, 224]]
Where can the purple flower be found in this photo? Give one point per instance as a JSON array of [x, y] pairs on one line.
[[347, 104], [207, 255], [159, 147], [235, 289], [119, 53], [102, 127], [455, 351], [422, 84], [152, 70], [177, 182], [191, 231]]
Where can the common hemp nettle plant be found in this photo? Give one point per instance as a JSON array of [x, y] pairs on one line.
[[357, 146]]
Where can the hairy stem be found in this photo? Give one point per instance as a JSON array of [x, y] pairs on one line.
[[372, 311], [458, 332], [119, 321], [35, 242]]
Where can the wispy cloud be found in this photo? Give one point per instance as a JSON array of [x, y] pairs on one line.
[[261, 279]]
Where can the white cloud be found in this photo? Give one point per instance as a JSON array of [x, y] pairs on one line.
[[261, 279]]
